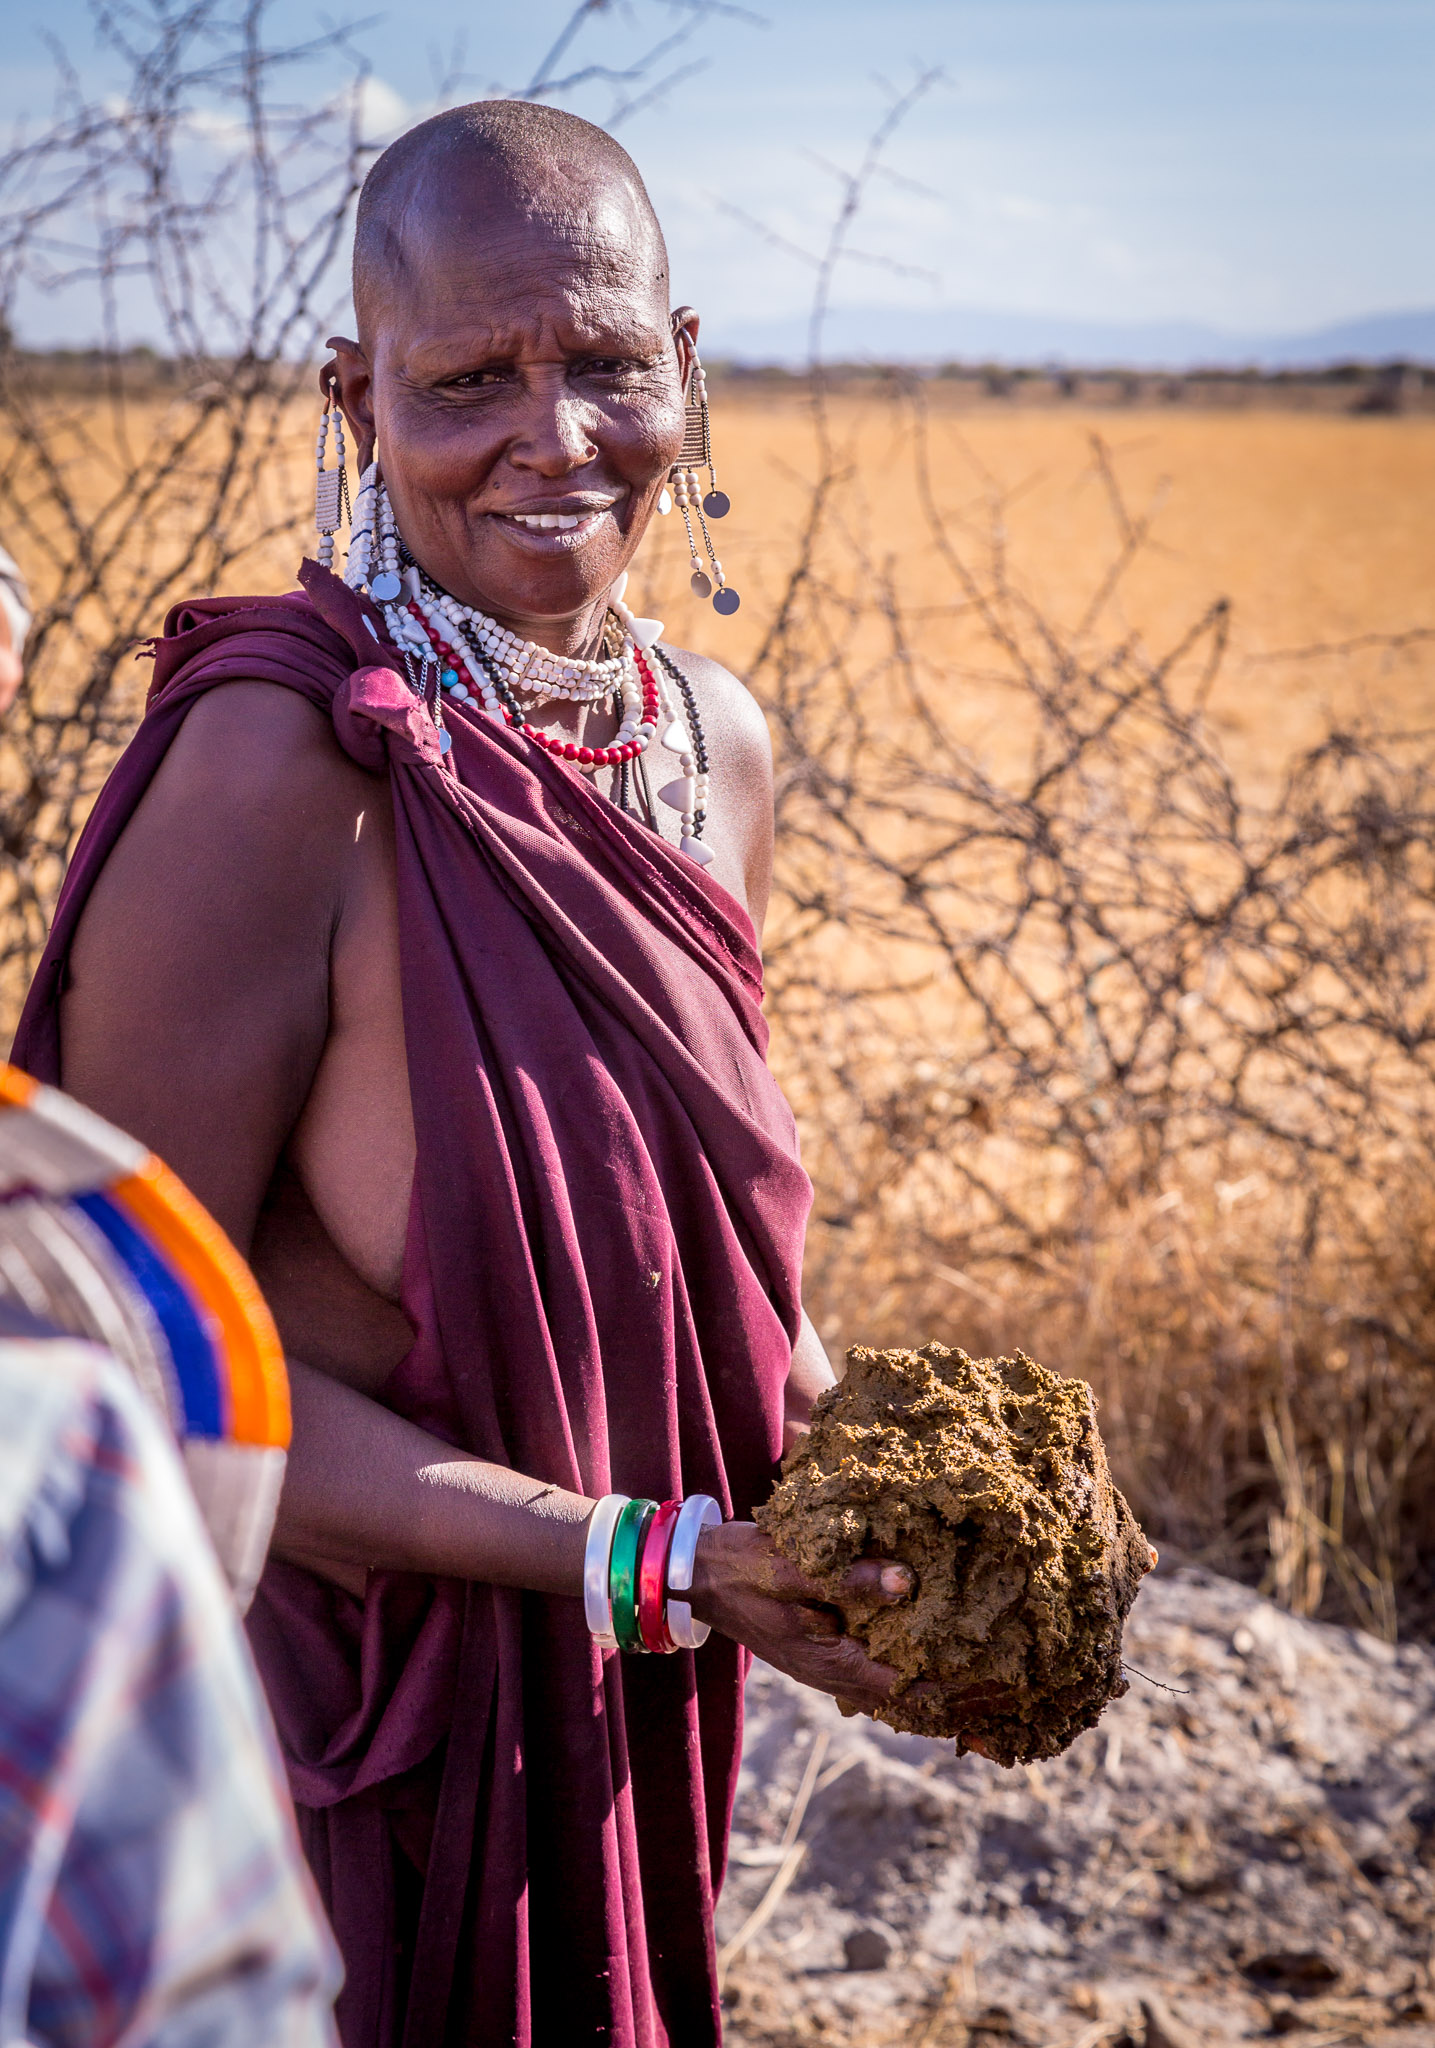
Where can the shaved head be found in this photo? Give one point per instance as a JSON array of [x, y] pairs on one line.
[[517, 360], [493, 166]]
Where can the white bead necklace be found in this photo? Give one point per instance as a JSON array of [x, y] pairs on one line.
[[447, 618], [533, 669]]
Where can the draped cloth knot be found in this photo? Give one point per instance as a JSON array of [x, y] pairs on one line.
[[519, 1841], [379, 719]]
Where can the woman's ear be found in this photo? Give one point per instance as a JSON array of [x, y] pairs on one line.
[[685, 340], [348, 368]]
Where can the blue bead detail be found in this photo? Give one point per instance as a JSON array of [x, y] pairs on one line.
[[445, 740], [449, 678]]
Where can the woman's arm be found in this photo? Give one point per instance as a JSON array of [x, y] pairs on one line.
[[366, 1490], [365, 1487]]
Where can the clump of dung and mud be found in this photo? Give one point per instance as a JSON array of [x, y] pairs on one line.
[[989, 1479]]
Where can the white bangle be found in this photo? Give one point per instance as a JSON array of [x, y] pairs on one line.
[[699, 1511], [597, 1610]]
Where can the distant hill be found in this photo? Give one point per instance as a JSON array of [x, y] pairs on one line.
[[968, 334]]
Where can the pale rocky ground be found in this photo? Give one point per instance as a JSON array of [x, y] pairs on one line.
[[1252, 1856]]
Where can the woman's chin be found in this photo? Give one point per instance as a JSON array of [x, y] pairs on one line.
[[554, 586]]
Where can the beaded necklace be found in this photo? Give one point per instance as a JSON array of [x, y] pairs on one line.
[[638, 688], [481, 662]]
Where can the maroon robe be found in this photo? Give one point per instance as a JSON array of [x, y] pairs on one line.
[[518, 1839]]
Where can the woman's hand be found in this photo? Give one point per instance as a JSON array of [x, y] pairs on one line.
[[743, 1588]]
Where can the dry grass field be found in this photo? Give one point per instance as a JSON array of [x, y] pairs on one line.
[[1316, 527], [1099, 972]]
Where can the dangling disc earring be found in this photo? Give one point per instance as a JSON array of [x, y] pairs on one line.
[[697, 453], [386, 584]]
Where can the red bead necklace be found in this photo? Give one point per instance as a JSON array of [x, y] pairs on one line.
[[566, 750]]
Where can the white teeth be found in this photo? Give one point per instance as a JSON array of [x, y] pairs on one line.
[[564, 521]]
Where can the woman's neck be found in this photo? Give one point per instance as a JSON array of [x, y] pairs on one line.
[[579, 635]]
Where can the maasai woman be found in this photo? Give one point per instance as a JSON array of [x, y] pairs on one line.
[[385, 938]]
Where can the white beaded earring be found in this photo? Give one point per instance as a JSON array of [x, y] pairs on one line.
[[361, 531], [331, 486], [385, 587]]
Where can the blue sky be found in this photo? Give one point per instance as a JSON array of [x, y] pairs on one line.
[[1255, 165]]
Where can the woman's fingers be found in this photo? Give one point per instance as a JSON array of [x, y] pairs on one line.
[[806, 1640], [791, 1623], [880, 1579], [744, 1587], [835, 1664], [738, 1558]]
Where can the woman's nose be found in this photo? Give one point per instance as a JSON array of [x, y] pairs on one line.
[[555, 435]]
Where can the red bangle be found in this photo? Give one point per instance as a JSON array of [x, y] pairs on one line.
[[653, 1579]]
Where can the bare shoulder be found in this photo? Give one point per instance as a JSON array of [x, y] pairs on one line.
[[253, 806], [197, 997], [740, 761], [240, 845], [725, 701], [258, 750]]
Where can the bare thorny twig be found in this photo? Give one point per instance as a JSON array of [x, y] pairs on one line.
[[202, 202]]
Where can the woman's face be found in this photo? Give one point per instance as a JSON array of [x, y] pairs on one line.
[[525, 382]]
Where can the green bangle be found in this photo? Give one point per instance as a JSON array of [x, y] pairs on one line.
[[623, 1571]]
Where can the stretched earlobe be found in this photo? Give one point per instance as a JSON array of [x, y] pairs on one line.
[[685, 341], [347, 364]]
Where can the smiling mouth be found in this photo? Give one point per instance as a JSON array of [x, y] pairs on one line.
[[557, 530]]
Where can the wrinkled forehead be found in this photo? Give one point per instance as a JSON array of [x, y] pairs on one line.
[[582, 252]]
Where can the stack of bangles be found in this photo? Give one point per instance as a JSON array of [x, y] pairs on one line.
[[637, 1556]]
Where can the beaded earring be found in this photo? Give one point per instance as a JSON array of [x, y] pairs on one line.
[[384, 588], [361, 531], [682, 490], [331, 486]]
